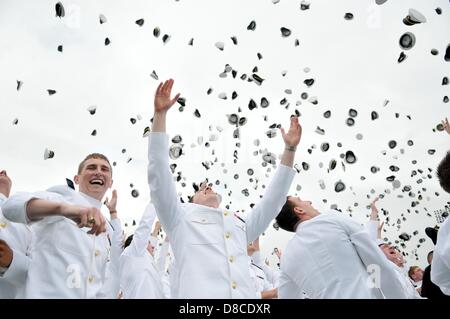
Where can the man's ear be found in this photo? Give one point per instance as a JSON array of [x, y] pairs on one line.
[[298, 212], [110, 184], [76, 179]]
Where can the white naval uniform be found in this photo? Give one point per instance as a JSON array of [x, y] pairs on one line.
[[272, 276], [19, 238], [210, 244], [161, 261], [139, 276], [66, 261], [328, 258], [259, 278], [440, 266], [111, 287]]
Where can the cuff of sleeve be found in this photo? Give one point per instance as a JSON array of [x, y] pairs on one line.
[[286, 170], [16, 273]]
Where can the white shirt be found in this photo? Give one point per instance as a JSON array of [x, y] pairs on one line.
[[161, 261], [209, 244], [19, 238], [67, 262], [111, 287], [440, 266], [139, 276], [328, 258]]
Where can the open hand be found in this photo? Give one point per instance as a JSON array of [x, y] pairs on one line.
[[446, 126], [163, 102], [292, 137], [111, 204]]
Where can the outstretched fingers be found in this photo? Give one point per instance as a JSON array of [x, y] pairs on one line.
[[159, 88], [172, 102]]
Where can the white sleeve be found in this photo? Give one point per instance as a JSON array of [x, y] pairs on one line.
[[270, 205], [143, 233], [440, 266], [287, 288], [160, 180], [372, 229], [111, 286], [15, 207], [16, 273], [372, 256], [161, 260], [271, 276]]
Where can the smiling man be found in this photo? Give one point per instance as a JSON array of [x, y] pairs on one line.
[[71, 250]]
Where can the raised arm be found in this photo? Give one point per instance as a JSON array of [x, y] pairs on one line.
[[162, 256], [446, 126], [160, 179], [163, 103], [275, 195], [143, 233], [373, 223], [376, 263]]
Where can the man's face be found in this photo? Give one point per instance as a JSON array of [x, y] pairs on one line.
[[417, 275], [5, 183], [95, 178], [393, 254], [206, 196]]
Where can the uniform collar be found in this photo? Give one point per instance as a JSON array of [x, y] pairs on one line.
[[2, 198]]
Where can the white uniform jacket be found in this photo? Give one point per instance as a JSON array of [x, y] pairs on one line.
[[139, 276], [210, 245], [19, 239], [331, 256], [66, 261]]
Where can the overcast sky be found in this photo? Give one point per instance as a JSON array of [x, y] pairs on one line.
[[353, 64]]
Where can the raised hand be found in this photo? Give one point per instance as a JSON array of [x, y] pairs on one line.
[[292, 137], [374, 212], [380, 229], [446, 126], [163, 102], [111, 204]]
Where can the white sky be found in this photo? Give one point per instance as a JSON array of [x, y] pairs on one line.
[[354, 64]]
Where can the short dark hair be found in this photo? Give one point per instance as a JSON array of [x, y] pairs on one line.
[[128, 241], [96, 156], [443, 172], [286, 218]]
